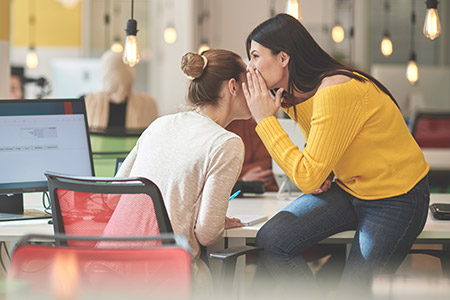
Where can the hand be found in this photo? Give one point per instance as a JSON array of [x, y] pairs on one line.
[[258, 174], [232, 223], [258, 97], [326, 185]]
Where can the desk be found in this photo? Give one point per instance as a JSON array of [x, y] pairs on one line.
[[11, 231], [438, 158], [435, 231]]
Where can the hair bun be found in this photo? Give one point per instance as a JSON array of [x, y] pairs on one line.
[[193, 64]]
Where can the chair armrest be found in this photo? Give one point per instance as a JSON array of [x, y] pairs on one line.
[[234, 252]]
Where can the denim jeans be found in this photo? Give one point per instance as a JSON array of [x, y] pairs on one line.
[[385, 231]]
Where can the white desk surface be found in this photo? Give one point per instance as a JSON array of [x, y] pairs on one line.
[[435, 230], [438, 158], [266, 204]]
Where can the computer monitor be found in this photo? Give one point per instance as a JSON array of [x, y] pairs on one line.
[[38, 136]]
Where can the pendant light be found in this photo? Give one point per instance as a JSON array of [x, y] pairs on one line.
[[293, 8], [117, 45], [412, 71], [131, 54], [32, 59], [386, 43], [337, 32], [432, 25], [170, 33], [69, 4]]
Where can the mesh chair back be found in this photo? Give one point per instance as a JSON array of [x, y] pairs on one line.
[[86, 206], [432, 130], [74, 272]]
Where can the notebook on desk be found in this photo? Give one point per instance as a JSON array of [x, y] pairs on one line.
[[250, 220]]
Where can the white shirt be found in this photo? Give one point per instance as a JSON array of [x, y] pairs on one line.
[[195, 163]]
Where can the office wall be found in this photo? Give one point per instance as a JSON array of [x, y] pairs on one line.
[[4, 49], [167, 82], [55, 26]]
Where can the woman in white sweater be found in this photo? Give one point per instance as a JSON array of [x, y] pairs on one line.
[[191, 157]]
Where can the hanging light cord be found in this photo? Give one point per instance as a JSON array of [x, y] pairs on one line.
[[387, 8], [132, 9], [272, 8], [32, 22], [413, 23]]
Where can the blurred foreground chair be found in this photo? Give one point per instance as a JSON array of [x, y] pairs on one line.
[[85, 206], [116, 268]]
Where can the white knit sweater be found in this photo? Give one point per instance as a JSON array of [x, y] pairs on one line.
[[195, 163]]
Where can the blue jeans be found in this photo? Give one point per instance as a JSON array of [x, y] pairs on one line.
[[385, 231]]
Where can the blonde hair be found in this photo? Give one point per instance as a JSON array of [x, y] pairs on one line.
[[117, 77]]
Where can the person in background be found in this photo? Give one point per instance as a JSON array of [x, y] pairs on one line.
[[16, 89], [257, 161], [192, 158], [356, 135], [117, 106]]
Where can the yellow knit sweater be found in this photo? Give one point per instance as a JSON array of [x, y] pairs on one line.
[[355, 130]]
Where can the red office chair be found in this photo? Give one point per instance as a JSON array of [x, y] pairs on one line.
[[432, 130], [79, 272], [85, 205]]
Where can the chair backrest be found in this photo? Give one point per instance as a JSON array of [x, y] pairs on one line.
[[432, 130], [73, 272], [86, 206]]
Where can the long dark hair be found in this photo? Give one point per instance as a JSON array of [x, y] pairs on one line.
[[309, 64]]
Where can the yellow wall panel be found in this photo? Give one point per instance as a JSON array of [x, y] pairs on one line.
[[55, 26], [4, 21]]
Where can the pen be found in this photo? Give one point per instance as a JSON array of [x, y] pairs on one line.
[[234, 195]]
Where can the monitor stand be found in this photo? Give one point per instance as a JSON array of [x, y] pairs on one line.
[[11, 209]]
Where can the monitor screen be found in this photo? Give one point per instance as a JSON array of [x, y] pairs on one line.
[[42, 135]]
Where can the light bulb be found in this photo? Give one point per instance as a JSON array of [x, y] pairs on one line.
[[170, 34], [386, 45], [32, 59], [131, 52], [117, 47], [337, 33], [293, 8], [69, 4], [412, 71], [432, 25], [203, 47]]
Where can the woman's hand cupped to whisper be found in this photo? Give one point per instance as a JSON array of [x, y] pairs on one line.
[[258, 96]]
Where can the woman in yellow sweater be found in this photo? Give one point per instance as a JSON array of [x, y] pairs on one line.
[[355, 134]]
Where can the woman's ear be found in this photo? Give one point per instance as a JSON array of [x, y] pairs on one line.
[[284, 57], [233, 86]]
